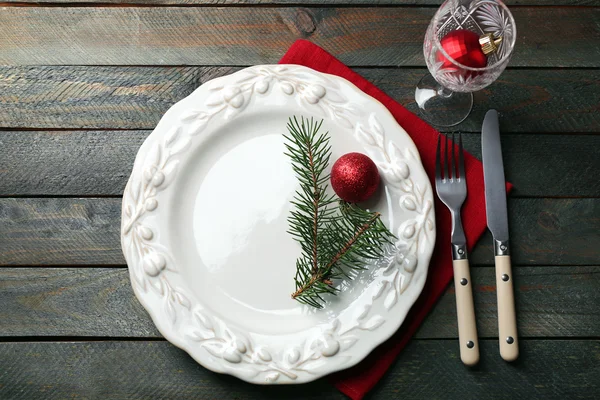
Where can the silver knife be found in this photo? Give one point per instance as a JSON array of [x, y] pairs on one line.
[[497, 220]]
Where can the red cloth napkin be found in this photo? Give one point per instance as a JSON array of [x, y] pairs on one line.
[[357, 381]]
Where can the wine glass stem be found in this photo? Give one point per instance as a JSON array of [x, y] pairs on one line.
[[443, 92]]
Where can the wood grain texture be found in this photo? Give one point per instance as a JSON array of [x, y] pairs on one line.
[[294, 2], [546, 165], [99, 302], [532, 101], [98, 163], [377, 36], [67, 231], [96, 302], [63, 163], [529, 101], [429, 369], [548, 231], [103, 97], [128, 370], [550, 302], [60, 231], [545, 370]]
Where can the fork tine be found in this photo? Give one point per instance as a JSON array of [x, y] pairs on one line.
[[453, 161], [461, 161], [438, 162], [446, 175]]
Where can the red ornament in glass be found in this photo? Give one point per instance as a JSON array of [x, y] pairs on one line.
[[354, 177], [463, 46]]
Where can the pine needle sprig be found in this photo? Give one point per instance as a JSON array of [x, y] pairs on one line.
[[335, 237]]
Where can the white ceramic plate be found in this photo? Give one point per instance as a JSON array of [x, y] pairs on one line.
[[204, 225]]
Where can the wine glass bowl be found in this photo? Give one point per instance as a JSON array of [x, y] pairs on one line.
[[444, 98]]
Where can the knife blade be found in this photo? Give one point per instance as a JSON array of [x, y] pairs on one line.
[[493, 175], [497, 220]]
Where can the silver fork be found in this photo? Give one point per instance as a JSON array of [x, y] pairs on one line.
[[451, 188]]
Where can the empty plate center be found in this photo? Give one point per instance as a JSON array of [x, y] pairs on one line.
[[240, 219]]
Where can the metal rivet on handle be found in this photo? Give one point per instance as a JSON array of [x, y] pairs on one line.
[[464, 281], [461, 251], [502, 247], [505, 278], [470, 344], [510, 340]]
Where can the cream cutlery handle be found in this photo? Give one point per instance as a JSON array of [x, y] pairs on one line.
[[465, 311], [507, 320]]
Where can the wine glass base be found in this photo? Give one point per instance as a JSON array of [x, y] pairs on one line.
[[440, 106]]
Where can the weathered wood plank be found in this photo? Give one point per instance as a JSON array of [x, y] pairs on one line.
[[547, 165], [548, 36], [98, 163], [136, 97], [530, 101], [99, 302], [101, 97], [60, 231], [71, 302], [426, 369], [62, 163], [545, 370], [552, 230], [550, 301], [305, 2], [126, 370]]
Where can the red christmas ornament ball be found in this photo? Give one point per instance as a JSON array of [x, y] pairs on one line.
[[463, 46], [354, 177]]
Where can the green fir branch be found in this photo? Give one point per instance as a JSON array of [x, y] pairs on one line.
[[336, 237]]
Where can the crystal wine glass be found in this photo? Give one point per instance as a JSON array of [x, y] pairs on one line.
[[444, 97]]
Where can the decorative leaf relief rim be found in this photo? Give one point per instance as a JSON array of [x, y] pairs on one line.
[[150, 262], [238, 349], [411, 197], [147, 260]]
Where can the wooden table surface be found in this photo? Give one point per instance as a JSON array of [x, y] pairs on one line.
[[83, 83]]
